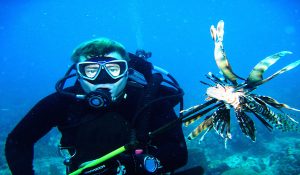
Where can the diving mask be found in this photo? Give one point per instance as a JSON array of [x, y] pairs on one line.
[[103, 79], [100, 70]]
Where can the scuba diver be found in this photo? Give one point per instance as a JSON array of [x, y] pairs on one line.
[[117, 98]]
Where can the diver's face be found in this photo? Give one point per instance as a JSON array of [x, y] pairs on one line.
[[115, 88]]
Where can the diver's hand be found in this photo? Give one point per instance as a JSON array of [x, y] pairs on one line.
[[143, 66]]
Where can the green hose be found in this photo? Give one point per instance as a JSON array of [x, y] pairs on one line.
[[101, 159]]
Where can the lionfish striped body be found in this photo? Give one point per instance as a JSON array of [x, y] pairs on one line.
[[227, 94]]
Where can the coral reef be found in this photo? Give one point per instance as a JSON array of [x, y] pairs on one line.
[[239, 171], [278, 157]]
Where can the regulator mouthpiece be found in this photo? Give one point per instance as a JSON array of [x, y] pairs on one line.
[[99, 98]]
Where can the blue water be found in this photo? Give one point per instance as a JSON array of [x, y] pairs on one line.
[[38, 37]]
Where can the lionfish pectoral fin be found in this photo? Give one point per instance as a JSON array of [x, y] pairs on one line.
[[195, 115], [260, 107], [221, 121], [287, 123], [206, 124], [192, 120], [246, 124], [227, 116], [255, 75], [286, 68], [264, 122], [274, 103]]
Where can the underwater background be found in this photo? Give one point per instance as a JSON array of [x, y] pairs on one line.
[[37, 38]]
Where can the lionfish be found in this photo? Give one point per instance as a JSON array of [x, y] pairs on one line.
[[226, 94]]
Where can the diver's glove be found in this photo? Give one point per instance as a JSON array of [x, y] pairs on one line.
[[143, 66]]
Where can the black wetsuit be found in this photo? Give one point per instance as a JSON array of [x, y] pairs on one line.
[[94, 132]]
